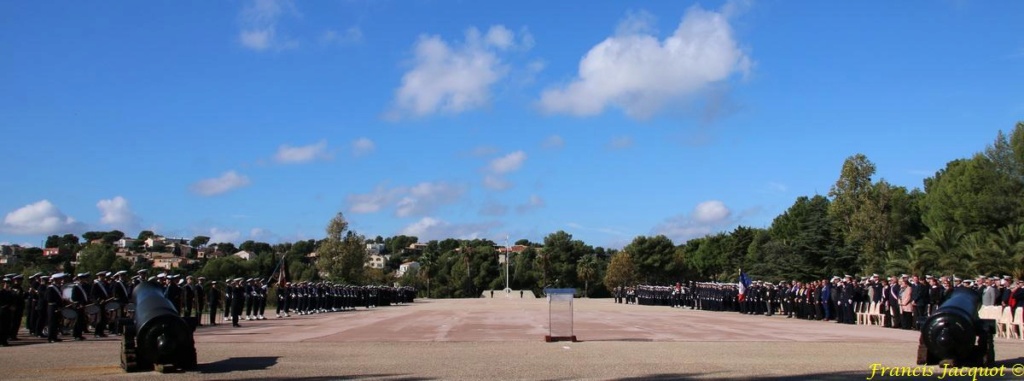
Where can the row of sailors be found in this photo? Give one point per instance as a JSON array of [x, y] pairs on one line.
[[81, 303], [304, 298], [903, 300]]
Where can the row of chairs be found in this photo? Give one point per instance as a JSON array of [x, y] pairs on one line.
[[1009, 321], [869, 313]]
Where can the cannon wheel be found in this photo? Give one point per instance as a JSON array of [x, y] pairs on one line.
[[129, 361]]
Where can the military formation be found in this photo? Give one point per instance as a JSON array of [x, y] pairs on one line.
[[74, 306], [904, 300]]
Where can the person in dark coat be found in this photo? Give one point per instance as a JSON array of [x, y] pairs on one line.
[[99, 294], [200, 298], [213, 299], [17, 305], [188, 296], [237, 301]]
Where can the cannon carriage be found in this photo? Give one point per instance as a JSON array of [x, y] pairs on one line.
[[954, 334], [155, 337]]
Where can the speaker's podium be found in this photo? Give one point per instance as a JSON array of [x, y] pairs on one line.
[[560, 314]]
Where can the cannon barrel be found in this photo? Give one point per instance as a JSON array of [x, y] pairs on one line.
[[157, 336], [955, 333]]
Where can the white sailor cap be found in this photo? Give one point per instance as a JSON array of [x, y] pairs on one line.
[[58, 276], [161, 275], [119, 273]]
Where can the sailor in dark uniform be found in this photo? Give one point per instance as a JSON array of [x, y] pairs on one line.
[[18, 306], [173, 291], [121, 294], [237, 301], [214, 300], [261, 299], [99, 294], [6, 309], [200, 293], [229, 293], [80, 298], [282, 292], [53, 300], [188, 296], [32, 304]]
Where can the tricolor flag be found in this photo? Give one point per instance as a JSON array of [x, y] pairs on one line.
[[744, 282]]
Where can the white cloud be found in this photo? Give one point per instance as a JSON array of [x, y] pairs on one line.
[[363, 147], [418, 200], [218, 235], [706, 218], [508, 163], [429, 228], [424, 198], [287, 154], [496, 182], [620, 142], [498, 167], [117, 213], [374, 201], [635, 71], [455, 77], [39, 218], [553, 142], [262, 235], [535, 202], [259, 20], [226, 182], [352, 35]]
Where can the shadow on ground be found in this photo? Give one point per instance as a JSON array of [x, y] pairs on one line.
[[234, 364], [391, 377]]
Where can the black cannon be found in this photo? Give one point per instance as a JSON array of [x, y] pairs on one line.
[[955, 335], [156, 337]]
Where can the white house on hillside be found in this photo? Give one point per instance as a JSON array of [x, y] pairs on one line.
[[406, 267], [245, 255]]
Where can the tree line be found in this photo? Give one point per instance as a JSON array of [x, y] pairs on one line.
[[967, 220]]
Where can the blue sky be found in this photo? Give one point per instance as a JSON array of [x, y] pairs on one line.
[[261, 120]]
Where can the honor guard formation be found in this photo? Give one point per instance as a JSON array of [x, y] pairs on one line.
[[894, 302], [76, 305]]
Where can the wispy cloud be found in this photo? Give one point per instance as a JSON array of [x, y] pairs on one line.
[[429, 228], [553, 142], [497, 168], [451, 78], [259, 25], [287, 154], [635, 71], [418, 200], [352, 35], [363, 147], [535, 202], [777, 187], [218, 185]]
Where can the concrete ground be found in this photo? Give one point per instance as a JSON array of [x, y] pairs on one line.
[[502, 339]]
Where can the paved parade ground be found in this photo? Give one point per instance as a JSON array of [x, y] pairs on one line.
[[502, 339]]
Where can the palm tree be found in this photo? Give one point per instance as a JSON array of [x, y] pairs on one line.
[[586, 270], [1008, 245], [944, 246]]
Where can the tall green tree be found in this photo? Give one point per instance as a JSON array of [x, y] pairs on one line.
[[621, 271], [849, 191], [973, 195], [342, 254], [653, 257]]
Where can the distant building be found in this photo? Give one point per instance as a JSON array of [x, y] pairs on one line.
[[168, 262], [504, 252], [374, 248], [377, 261], [124, 243], [245, 255], [51, 252], [406, 267]]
